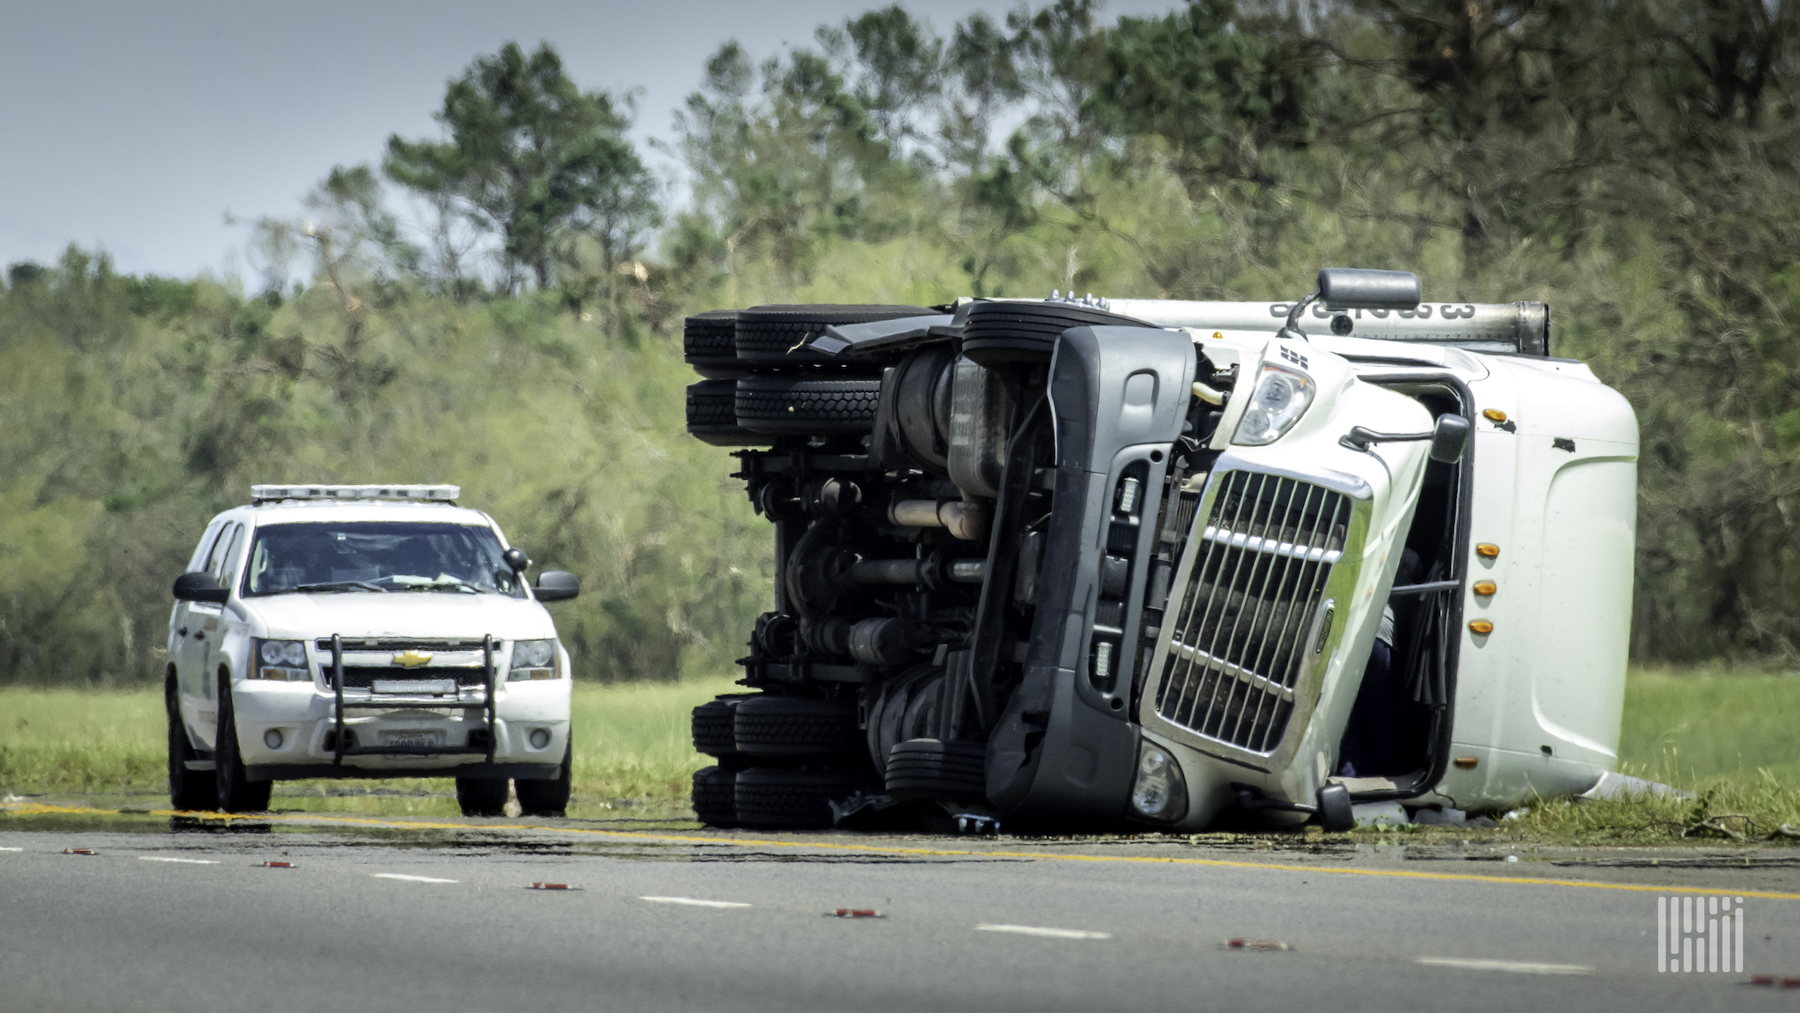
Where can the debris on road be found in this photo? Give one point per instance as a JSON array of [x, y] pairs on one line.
[[78, 851], [1255, 944], [855, 912], [550, 886], [275, 865]]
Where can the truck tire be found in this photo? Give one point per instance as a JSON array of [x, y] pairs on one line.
[[714, 726], [189, 790], [768, 335], [715, 796], [789, 726], [548, 797], [237, 794], [1001, 332], [782, 798], [712, 416], [788, 406], [481, 796], [709, 344], [921, 769]]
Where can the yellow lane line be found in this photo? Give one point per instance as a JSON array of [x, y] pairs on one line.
[[37, 809]]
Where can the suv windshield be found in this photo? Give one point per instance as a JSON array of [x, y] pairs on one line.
[[378, 556]]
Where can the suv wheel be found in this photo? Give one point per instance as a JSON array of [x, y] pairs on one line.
[[237, 793], [481, 796], [189, 790], [545, 798]]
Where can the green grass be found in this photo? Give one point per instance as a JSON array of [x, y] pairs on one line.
[[631, 745], [1727, 736]]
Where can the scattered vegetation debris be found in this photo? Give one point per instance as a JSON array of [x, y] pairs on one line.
[[275, 865], [857, 912], [78, 851], [1255, 944], [551, 886]]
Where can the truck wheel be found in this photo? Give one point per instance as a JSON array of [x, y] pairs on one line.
[[715, 796], [714, 725], [1000, 332], [546, 797], [785, 406], [237, 794], [767, 335], [189, 790], [781, 798], [709, 344], [790, 726], [929, 769], [712, 416], [481, 796]]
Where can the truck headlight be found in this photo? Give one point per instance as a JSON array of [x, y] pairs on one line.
[[1160, 793], [533, 659], [280, 660], [1282, 395]]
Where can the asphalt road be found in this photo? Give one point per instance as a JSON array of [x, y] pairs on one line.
[[400, 914]]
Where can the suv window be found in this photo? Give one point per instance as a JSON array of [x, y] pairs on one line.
[[319, 557], [221, 553], [197, 562]]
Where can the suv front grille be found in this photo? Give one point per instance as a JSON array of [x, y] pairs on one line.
[[1247, 619], [364, 676]]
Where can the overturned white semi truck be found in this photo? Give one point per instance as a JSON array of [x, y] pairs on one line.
[[1075, 563]]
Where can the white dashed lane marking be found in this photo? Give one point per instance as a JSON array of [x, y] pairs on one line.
[[12, 849], [410, 879], [183, 861], [1047, 933], [1515, 966], [693, 901]]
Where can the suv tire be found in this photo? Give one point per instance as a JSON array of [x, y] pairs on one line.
[[189, 790], [548, 797], [712, 416], [715, 796], [790, 726], [481, 796], [786, 406], [768, 335], [237, 793], [780, 798]]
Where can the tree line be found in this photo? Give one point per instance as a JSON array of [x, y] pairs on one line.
[[1632, 162]]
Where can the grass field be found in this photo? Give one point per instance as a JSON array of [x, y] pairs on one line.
[[1728, 734]]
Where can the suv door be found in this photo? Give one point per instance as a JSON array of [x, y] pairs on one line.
[[200, 647]]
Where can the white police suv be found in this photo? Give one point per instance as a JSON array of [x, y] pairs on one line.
[[365, 631]]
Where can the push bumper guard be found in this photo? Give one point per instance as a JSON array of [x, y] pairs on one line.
[[419, 702]]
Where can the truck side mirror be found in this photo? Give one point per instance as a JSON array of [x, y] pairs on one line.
[[1449, 439], [1353, 288], [556, 585], [200, 587]]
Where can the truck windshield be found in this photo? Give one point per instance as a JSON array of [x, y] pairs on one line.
[[378, 557]]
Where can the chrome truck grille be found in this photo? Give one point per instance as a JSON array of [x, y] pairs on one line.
[[1251, 612]]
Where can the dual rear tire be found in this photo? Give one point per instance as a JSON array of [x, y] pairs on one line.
[[782, 761]]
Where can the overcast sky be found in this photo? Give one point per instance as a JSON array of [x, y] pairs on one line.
[[135, 126]]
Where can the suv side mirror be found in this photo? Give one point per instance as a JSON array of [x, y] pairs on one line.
[[200, 587], [515, 558], [556, 585], [1352, 288], [1449, 438]]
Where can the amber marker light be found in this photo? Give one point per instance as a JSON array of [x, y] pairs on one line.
[[1487, 550], [1218, 336], [1481, 626], [1466, 762], [1486, 587], [1493, 415]]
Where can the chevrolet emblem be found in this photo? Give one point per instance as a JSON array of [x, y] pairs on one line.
[[412, 659]]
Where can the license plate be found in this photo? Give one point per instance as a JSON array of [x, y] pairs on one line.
[[415, 687], [413, 737]]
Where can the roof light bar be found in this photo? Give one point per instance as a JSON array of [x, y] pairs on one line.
[[426, 493]]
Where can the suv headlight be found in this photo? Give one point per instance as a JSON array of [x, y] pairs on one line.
[[1160, 792], [534, 659], [1282, 395], [280, 660]]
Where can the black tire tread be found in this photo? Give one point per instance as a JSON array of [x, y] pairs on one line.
[[779, 798], [712, 415], [768, 334], [778, 405], [784, 726], [715, 797]]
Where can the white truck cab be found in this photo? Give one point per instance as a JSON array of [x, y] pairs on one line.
[[365, 631]]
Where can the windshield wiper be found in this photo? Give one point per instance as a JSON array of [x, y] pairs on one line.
[[341, 585], [447, 585]]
